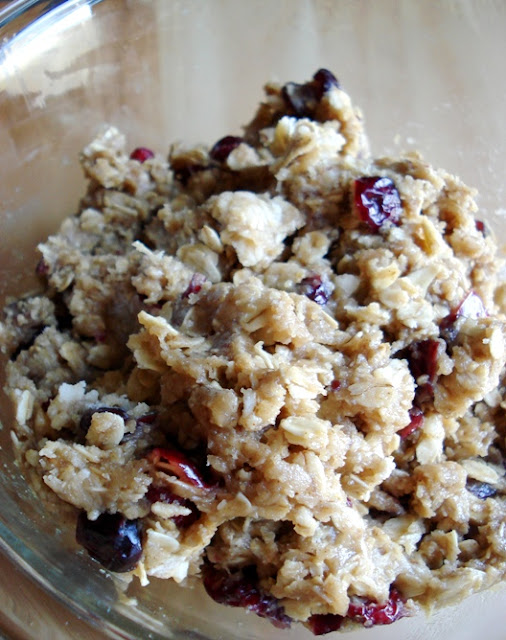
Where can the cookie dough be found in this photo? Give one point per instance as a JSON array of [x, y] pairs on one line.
[[275, 365]]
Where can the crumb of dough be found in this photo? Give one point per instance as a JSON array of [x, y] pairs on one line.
[[275, 365]]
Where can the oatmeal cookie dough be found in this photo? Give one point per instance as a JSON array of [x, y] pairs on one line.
[[275, 365]]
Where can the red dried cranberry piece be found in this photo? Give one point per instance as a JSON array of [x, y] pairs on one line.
[[321, 623], [196, 282], [148, 418], [111, 539], [162, 494], [224, 147], [422, 360], [141, 154], [335, 385], [416, 422], [303, 99], [470, 307], [239, 588], [85, 422], [481, 490], [370, 613], [42, 268], [377, 201], [366, 612], [481, 227], [315, 289], [174, 462]]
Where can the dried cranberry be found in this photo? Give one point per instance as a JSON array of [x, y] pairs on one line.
[[303, 99], [162, 494], [377, 201], [174, 462], [370, 613], [416, 422], [422, 360], [321, 623], [85, 422], [481, 490], [42, 268], [315, 288], [470, 307], [335, 385], [196, 282], [239, 588], [148, 418], [366, 612], [141, 154], [481, 227], [224, 147], [111, 539]]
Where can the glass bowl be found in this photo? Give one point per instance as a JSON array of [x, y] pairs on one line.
[[428, 76]]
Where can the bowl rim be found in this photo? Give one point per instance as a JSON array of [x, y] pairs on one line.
[[14, 11]]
